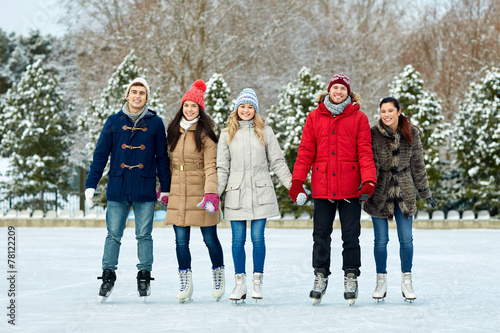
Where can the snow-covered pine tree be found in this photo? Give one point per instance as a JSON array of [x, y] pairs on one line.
[[112, 99], [287, 119], [35, 124], [217, 102], [424, 110], [477, 145]]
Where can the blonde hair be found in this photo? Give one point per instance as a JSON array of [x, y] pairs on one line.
[[233, 126]]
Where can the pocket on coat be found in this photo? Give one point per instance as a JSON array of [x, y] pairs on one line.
[[265, 193], [232, 196], [147, 183], [351, 178], [319, 180]]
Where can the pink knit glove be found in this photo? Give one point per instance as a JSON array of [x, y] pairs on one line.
[[210, 202], [162, 196]]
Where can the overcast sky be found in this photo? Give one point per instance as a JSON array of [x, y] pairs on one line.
[[21, 16]]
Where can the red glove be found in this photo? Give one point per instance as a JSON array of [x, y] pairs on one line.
[[210, 202], [162, 196], [366, 191], [296, 189]]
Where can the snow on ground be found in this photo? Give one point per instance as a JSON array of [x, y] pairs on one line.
[[455, 278]]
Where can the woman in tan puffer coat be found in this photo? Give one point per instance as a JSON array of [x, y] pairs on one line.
[[246, 150], [193, 198]]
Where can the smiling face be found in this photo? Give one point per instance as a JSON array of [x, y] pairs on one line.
[[246, 111], [190, 110], [338, 93], [390, 115], [136, 98]]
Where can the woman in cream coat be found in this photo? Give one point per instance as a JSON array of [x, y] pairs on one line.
[[246, 150]]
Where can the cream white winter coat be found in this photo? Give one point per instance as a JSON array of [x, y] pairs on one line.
[[243, 171]]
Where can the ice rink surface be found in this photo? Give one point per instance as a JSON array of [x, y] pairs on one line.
[[455, 277]]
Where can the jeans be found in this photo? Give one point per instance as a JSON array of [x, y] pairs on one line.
[[239, 231], [116, 218], [349, 215], [381, 231], [182, 236]]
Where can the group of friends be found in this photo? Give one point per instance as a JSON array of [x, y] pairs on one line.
[[378, 169]]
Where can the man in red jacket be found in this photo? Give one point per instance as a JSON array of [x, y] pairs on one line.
[[336, 143]]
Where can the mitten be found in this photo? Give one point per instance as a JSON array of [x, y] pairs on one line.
[[431, 202], [162, 196], [89, 194], [210, 202], [297, 193], [366, 191]]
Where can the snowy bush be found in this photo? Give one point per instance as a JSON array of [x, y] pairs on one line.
[[477, 144], [287, 120], [34, 127]]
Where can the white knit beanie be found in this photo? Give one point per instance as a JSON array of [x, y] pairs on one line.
[[141, 81]]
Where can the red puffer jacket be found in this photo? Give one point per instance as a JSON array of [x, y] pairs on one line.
[[339, 150]]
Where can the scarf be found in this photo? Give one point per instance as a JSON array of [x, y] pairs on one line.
[[135, 117], [186, 124], [336, 109]]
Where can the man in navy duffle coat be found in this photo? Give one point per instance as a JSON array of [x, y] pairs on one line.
[[135, 137]]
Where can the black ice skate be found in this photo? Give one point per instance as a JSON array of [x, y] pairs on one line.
[[143, 285], [108, 282], [350, 287], [319, 287]]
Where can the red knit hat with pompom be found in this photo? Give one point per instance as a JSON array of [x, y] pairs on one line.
[[196, 93]]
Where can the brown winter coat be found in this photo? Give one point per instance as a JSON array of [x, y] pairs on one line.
[[189, 186], [400, 173]]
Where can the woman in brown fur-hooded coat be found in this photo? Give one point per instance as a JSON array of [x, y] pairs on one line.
[[400, 170], [399, 161]]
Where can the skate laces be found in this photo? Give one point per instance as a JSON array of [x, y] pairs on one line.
[[351, 283], [183, 275], [407, 284], [319, 283], [217, 275]]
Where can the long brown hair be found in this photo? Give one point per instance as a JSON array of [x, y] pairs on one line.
[[404, 122], [205, 127]]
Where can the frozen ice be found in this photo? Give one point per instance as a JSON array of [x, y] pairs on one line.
[[454, 277]]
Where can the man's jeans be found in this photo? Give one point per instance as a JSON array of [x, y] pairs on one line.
[[381, 230], [239, 231], [116, 218]]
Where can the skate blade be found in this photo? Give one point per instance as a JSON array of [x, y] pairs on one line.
[[238, 301], [380, 300], [102, 299], [185, 301], [410, 300], [351, 301], [316, 301]]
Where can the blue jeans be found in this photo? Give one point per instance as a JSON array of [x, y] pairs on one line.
[[381, 230], [116, 219], [239, 231], [182, 236]]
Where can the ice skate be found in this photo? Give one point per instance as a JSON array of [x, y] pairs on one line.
[[381, 289], [186, 289], [143, 284], [257, 286], [108, 282], [219, 282], [319, 287], [240, 289], [407, 288], [350, 288]]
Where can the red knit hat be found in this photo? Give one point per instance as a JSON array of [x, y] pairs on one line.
[[196, 93], [341, 79]]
